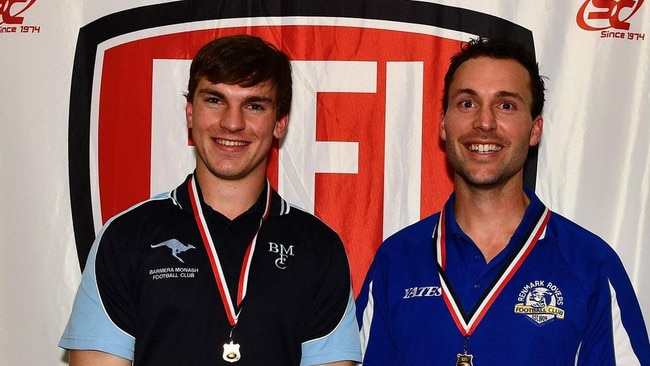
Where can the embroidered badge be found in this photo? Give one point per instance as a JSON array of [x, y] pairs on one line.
[[541, 302], [176, 247], [283, 252]]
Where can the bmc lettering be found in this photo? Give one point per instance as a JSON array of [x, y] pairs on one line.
[[283, 253]]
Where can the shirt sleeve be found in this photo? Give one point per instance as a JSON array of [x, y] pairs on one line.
[[89, 326], [617, 334], [376, 344], [628, 326], [333, 334], [341, 344]]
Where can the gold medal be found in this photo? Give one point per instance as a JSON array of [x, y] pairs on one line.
[[231, 352], [464, 360], [467, 323], [231, 349]]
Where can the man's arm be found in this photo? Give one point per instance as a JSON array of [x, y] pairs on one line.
[[96, 358]]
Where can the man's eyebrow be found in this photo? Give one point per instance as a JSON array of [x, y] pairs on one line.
[[258, 99], [504, 93], [210, 91], [499, 94], [249, 99], [469, 91]]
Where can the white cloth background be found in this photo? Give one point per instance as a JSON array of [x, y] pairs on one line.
[[594, 159]]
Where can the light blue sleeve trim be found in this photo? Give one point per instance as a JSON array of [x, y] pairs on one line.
[[89, 326], [342, 344]]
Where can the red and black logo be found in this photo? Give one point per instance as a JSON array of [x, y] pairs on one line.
[[11, 10], [595, 15], [366, 72]]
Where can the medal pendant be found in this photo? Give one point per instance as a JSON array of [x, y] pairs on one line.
[[464, 360], [231, 352]]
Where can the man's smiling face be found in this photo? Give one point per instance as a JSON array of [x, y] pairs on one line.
[[487, 125]]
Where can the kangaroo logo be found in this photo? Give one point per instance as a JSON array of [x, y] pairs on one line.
[[176, 247]]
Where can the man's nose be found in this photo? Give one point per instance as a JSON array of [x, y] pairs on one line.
[[233, 119], [485, 120]]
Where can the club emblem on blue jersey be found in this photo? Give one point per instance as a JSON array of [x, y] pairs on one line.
[[540, 301], [176, 246]]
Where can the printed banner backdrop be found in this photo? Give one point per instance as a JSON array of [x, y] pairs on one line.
[[93, 114]]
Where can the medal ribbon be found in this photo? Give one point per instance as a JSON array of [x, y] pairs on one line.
[[465, 324], [214, 258]]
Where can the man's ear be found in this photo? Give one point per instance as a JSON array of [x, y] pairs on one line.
[[188, 114], [536, 132], [280, 128], [441, 128]]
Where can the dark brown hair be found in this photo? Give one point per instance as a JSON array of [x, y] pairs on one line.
[[499, 48], [246, 61]]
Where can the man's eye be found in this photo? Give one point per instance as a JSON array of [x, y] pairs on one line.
[[257, 107], [466, 104], [213, 100], [507, 106]]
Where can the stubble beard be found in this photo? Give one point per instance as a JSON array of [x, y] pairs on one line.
[[479, 180]]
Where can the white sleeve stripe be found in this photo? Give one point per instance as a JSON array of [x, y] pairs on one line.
[[368, 312], [623, 352]]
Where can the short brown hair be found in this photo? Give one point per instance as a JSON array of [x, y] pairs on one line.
[[499, 48], [243, 60]]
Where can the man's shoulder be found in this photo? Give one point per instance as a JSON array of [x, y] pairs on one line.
[[580, 247], [296, 215], [154, 209], [296, 224], [566, 230], [412, 235], [416, 230]]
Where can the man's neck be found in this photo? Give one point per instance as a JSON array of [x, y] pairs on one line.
[[490, 216], [231, 198]]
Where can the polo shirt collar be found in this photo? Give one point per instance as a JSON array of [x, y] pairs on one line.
[[279, 207], [527, 223]]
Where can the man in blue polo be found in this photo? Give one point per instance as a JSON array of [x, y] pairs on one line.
[[495, 277]]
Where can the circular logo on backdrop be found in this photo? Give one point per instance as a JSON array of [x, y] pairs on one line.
[[367, 90]]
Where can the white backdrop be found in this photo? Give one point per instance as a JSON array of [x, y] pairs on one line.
[[593, 167]]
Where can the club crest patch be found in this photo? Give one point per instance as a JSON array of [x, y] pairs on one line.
[[541, 302]]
